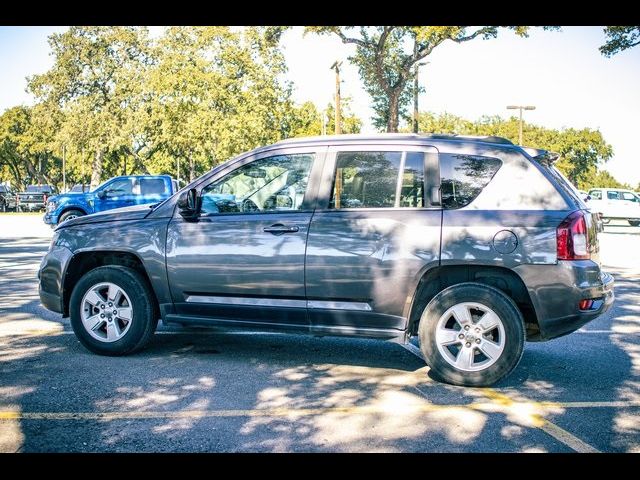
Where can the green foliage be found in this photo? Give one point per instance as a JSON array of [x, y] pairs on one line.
[[306, 120], [119, 102], [600, 178], [620, 38], [581, 150], [386, 56]]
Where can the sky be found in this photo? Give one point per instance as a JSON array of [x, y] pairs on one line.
[[562, 73]]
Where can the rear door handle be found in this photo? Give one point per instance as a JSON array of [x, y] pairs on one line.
[[279, 229]]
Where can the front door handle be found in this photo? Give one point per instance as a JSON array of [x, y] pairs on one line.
[[279, 229]]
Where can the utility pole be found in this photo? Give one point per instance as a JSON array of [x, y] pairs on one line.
[[64, 173], [416, 87], [336, 67], [521, 108]]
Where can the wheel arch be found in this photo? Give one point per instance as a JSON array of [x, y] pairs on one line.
[[72, 207], [440, 277], [83, 262]]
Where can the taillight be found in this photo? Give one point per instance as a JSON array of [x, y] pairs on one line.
[[572, 238]]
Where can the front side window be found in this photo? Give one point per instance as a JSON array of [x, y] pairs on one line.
[[270, 184], [629, 196], [120, 187], [462, 177]]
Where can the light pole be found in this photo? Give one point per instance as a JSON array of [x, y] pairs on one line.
[[520, 107]]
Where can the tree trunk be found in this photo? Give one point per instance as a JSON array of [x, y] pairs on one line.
[[96, 168], [192, 172], [35, 174], [393, 121]]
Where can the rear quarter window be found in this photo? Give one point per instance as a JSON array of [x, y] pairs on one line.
[[462, 177]]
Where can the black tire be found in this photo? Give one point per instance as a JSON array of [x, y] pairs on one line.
[[144, 319], [505, 309], [634, 223], [70, 213], [3, 205]]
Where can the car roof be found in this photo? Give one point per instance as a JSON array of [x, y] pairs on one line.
[[393, 137]]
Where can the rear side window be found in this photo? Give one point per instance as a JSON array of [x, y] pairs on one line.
[[612, 195], [596, 194], [153, 186], [462, 177], [374, 180], [365, 180]]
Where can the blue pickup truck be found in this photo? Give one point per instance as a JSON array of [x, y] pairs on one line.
[[114, 193]]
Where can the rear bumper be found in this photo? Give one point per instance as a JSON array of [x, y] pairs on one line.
[[556, 301], [557, 327], [31, 207]]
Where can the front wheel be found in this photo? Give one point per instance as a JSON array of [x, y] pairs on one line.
[[634, 223], [112, 311], [70, 214], [471, 334]]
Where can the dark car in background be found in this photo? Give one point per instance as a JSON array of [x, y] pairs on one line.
[[473, 245], [8, 198], [34, 198]]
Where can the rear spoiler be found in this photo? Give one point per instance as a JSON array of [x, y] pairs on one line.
[[542, 156]]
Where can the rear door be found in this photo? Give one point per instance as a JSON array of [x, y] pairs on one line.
[[375, 229]]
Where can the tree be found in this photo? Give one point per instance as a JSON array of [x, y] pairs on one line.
[[581, 151], [600, 178], [385, 57], [620, 39], [305, 120], [215, 92], [94, 82], [26, 148]]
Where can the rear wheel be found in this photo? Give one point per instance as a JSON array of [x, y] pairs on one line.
[[471, 334], [112, 311], [70, 214], [634, 223]]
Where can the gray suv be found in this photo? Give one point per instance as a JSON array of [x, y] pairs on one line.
[[472, 244]]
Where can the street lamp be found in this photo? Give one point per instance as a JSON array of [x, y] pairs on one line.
[[520, 107], [416, 86]]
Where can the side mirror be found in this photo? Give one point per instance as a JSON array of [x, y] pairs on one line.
[[102, 194], [189, 205], [588, 197]]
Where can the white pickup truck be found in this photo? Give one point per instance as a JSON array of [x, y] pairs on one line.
[[615, 203]]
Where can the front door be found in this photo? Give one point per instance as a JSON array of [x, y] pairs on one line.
[[375, 230], [117, 193], [242, 261]]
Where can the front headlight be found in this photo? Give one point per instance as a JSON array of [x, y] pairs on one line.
[[51, 206]]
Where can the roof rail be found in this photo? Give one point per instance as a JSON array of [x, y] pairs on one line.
[[482, 138], [400, 136]]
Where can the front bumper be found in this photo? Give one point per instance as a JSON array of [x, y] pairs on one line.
[[51, 278], [556, 290], [50, 219]]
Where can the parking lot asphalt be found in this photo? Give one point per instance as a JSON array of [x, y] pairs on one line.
[[198, 390]]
